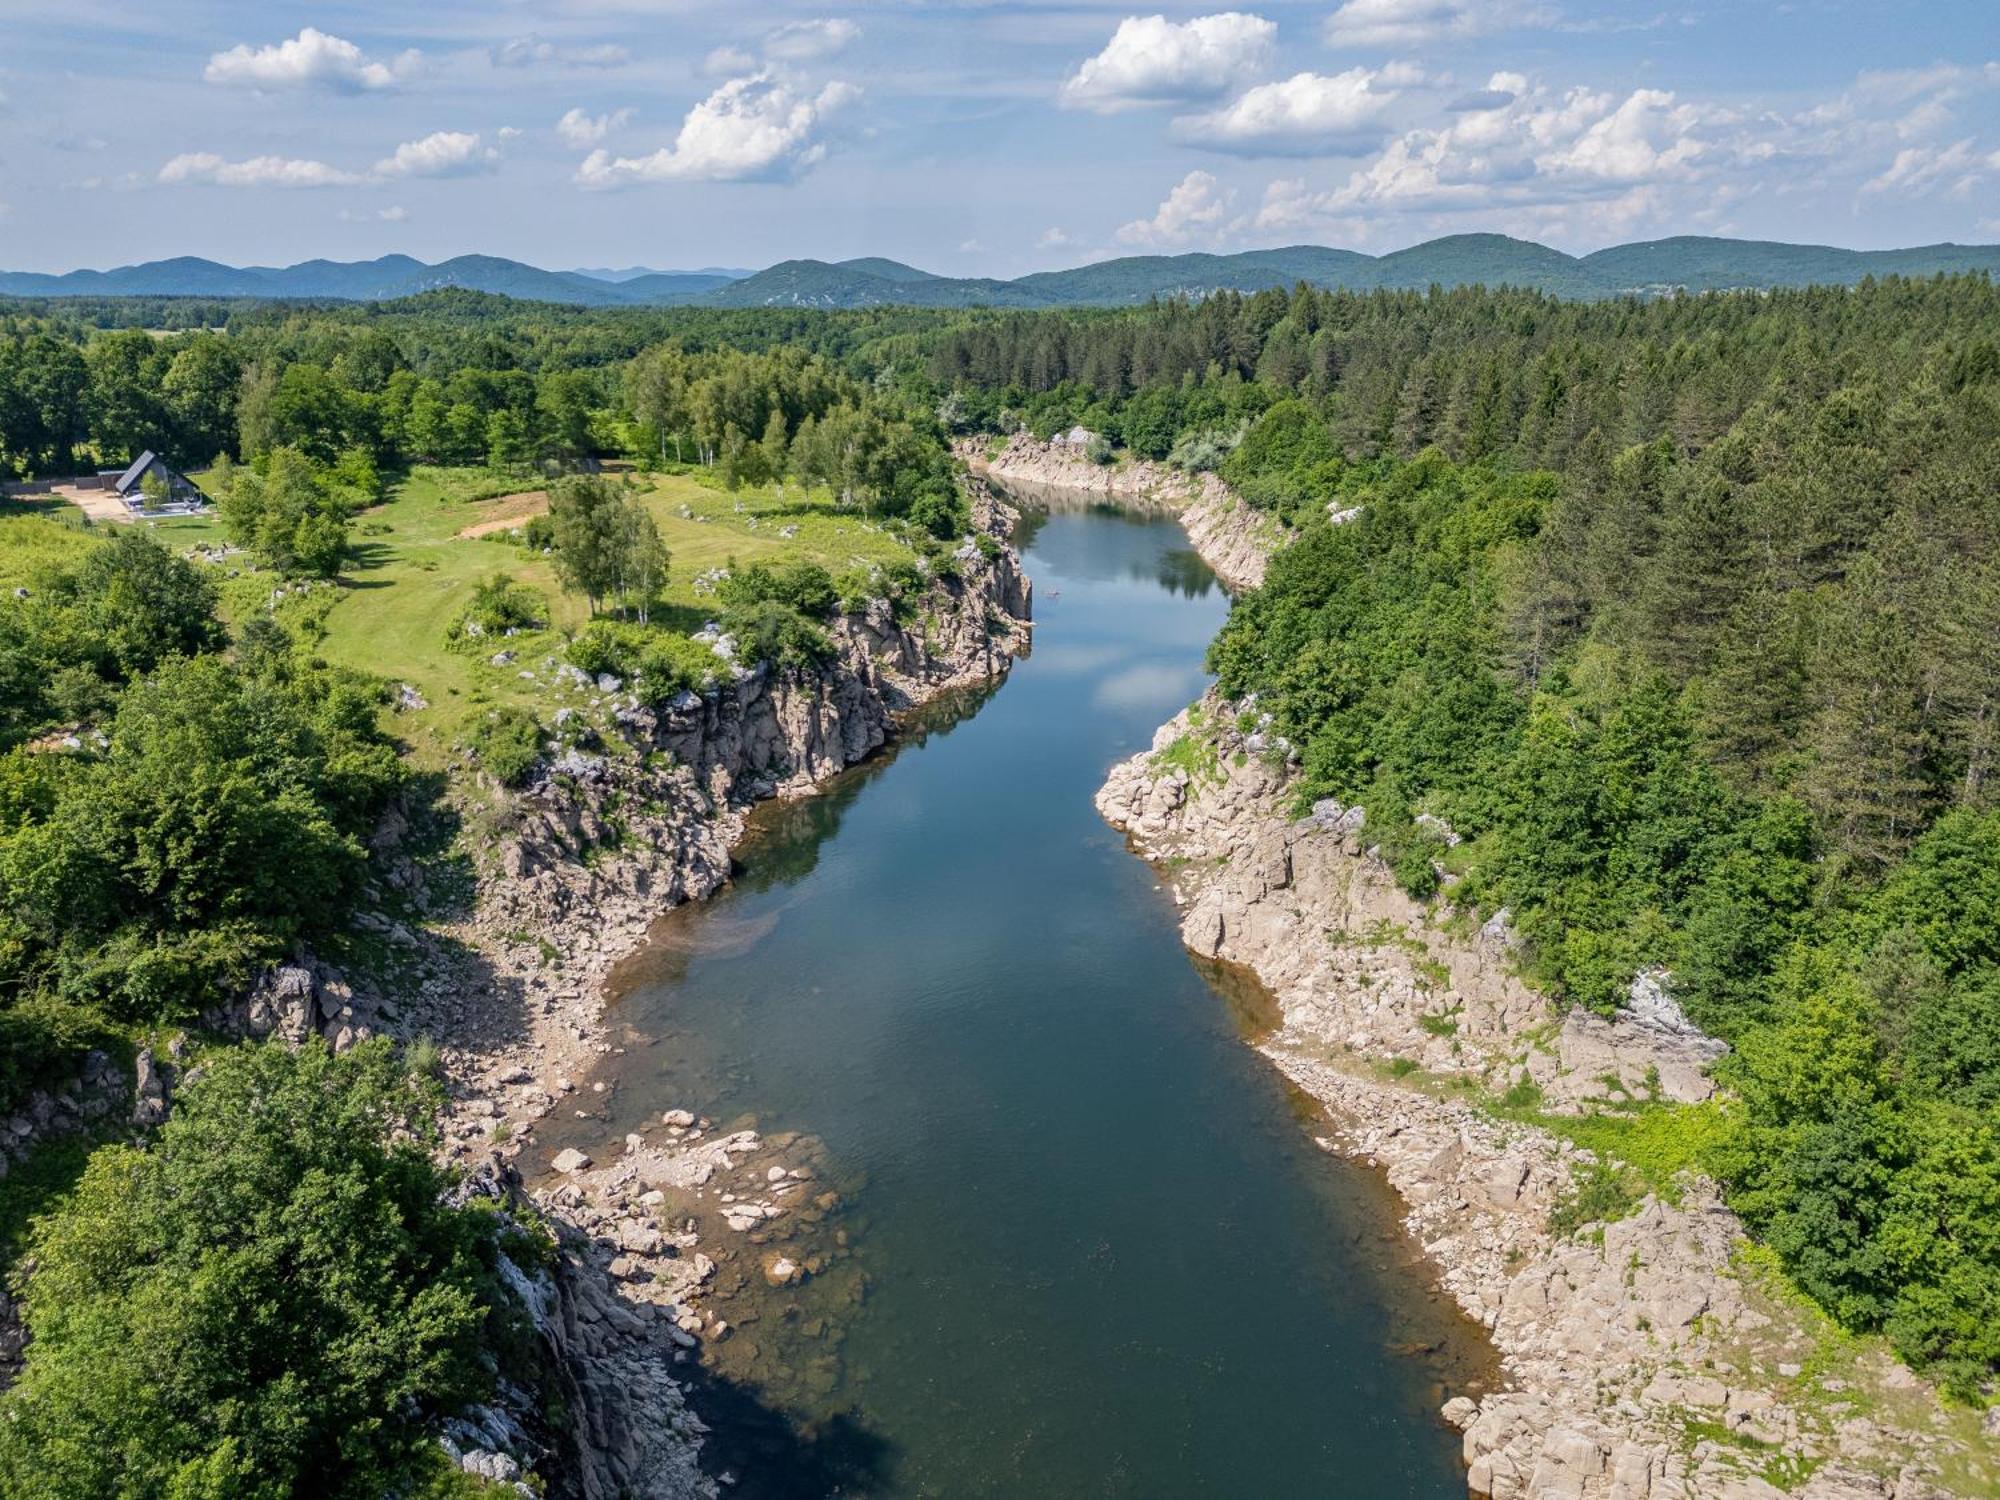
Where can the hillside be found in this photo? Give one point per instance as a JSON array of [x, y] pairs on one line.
[[1654, 267]]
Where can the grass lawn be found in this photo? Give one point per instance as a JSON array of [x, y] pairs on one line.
[[414, 569], [413, 573]]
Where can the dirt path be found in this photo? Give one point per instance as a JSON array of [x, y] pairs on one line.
[[99, 505], [510, 511]]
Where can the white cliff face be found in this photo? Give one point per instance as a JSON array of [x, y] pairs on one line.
[[1641, 1361], [1235, 540]]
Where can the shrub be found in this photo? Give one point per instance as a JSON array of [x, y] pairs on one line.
[[508, 742], [499, 604], [659, 663], [778, 634], [803, 586]]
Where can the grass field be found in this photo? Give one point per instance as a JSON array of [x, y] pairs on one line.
[[413, 571]]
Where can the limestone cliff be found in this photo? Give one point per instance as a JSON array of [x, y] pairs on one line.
[[636, 812], [1642, 1358], [1235, 540]]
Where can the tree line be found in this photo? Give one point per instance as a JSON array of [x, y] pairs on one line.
[[1694, 653]]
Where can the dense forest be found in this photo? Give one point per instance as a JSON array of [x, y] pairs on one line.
[[1665, 626], [1681, 616]]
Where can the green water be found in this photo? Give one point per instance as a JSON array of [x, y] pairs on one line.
[[1090, 1248]]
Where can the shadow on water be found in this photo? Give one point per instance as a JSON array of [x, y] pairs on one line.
[[772, 1456]]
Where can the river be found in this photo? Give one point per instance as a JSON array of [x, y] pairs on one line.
[[1085, 1245]]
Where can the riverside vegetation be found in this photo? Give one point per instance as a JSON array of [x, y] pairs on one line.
[[1664, 626], [208, 724], [1667, 628]]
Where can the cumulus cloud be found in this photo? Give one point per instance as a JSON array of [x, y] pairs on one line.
[[1197, 208], [1646, 138], [580, 131], [1956, 167], [394, 214], [1151, 60], [312, 59], [1404, 23], [749, 129], [205, 167], [1308, 114], [443, 153], [802, 41], [1052, 238], [533, 52], [1530, 148]]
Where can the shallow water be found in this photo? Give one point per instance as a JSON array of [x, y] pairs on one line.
[[1085, 1245]]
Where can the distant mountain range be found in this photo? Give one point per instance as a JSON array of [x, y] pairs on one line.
[[1685, 263], [633, 273]]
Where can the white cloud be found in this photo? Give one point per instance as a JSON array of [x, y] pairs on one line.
[[1151, 60], [749, 129], [312, 59], [394, 214], [1606, 158], [1918, 170], [1308, 114], [1646, 138], [801, 41], [257, 171], [580, 131], [1197, 208], [728, 60], [1404, 23], [1052, 238], [443, 153], [532, 52]]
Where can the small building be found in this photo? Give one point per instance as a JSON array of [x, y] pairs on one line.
[[173, 493]]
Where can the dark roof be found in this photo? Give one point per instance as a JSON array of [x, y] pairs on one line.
[[140, 465]]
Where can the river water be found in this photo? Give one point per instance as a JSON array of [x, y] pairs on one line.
[[1085, 1245]]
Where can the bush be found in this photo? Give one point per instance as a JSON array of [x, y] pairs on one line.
[[271, 1301], [778, 634], [659, 663], [508, 742], [803, 586], [498, 605], [223, 822]]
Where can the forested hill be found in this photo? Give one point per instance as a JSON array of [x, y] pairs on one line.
[[1684, 263]]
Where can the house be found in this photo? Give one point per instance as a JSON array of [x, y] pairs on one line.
[[173, 492]]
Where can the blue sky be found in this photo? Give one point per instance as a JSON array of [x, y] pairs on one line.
[[979, 138]]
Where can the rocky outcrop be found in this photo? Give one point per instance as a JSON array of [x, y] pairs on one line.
[[1235, 540], [291, 1001], [604, 841], [635, 811], [1643, 1360]]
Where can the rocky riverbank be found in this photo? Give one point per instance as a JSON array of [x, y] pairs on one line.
[[635, 811], [1648, 1356], [1234, 540]]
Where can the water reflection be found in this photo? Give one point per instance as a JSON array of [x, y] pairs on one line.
[[1078, 1242]]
